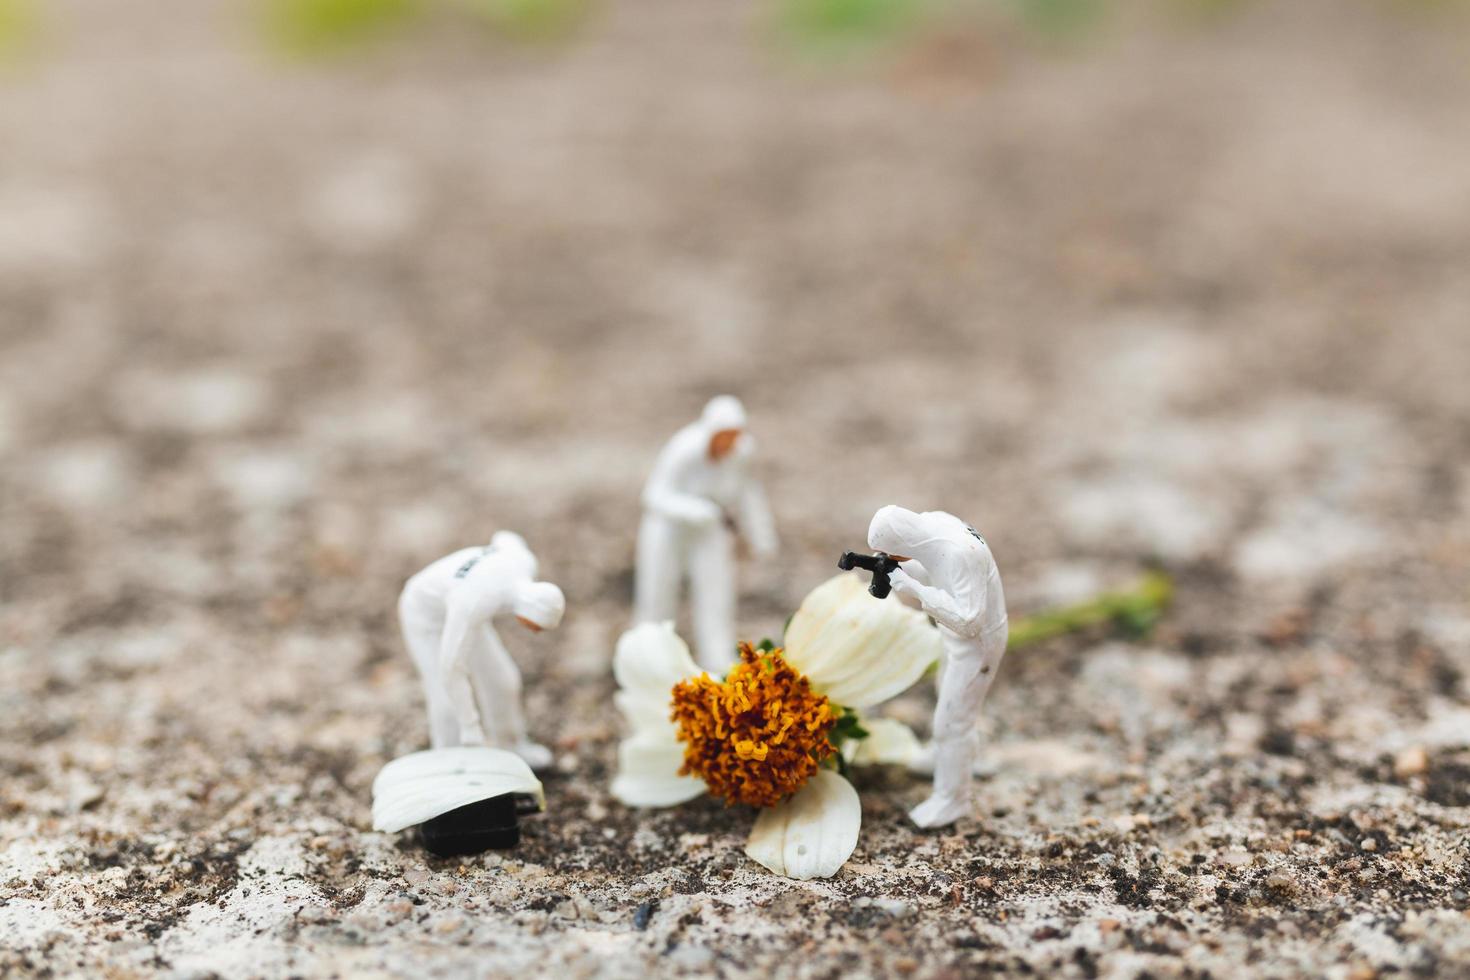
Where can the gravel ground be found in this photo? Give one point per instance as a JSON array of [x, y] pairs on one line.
[[273, 336]]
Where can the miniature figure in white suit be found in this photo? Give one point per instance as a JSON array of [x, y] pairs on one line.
[[947, 567], [699, 496], [471, 684]]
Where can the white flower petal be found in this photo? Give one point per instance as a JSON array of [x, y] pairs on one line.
[[889, 743], [418, 787], [858, 650], [650, 659], [812, 834], [648, 773]]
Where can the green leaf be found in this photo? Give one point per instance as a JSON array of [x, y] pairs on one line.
[[847, 729]]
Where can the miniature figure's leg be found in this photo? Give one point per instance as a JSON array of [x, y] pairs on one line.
[[969, 670], [923, 763], [421, 636], [497, 682], [498, 692], [469, 727], [712, 587], [656, 590]]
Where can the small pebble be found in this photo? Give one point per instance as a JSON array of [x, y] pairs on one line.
[[447, 926], [1281, 882], [1413, 761], [1368, 844], [643, 914]]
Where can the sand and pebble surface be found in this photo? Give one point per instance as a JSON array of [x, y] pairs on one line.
[[274, 335]]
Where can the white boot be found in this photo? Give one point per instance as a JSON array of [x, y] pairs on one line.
[[536, 755], [951, 799], [941, 811]]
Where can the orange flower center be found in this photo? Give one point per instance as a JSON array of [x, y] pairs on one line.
[[757, 736]]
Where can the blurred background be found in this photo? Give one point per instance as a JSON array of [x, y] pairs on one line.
[[299, 295]]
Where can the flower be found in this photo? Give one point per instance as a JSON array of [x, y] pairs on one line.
[[757, 736], [774, 732]]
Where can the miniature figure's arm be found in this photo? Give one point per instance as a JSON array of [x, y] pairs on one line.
[[948, 610], [663, 496], [756, 522], [454, 670], [916, 571]]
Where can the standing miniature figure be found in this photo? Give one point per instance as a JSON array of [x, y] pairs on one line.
[[946, 566], [699, 496], [471, 684]]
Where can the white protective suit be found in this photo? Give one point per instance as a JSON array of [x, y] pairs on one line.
[[472, 686], [951, 573], [691, 505]]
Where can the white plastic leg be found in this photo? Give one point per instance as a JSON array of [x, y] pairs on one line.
[[497, 682], [656, 588], [968, 670], [712, 589], [422, 639]]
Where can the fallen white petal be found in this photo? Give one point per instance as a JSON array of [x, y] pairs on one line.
[[812, 834], [650, 659], [648, 773], [856, 649], [418, 787], [889, 743]]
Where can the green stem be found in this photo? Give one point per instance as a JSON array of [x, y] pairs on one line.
[[1134, 611]]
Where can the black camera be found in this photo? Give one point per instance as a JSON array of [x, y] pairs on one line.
[[879, 564]]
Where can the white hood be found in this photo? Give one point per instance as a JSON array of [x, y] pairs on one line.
[[540, 602], [896, 531], [723, 412]]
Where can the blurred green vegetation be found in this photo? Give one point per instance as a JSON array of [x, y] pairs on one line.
[[848, 24], [531, 19], [814, 27], [1132, 612], [18, 21], [314, 26], [1058, 17], [325, 26]]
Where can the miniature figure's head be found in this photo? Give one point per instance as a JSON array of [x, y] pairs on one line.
[[895, 531], [724, 420], [538, 606]]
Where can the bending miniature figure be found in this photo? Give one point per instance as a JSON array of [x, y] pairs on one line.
[[467, 793], [698, 498], [946, 566], [471, 684]]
